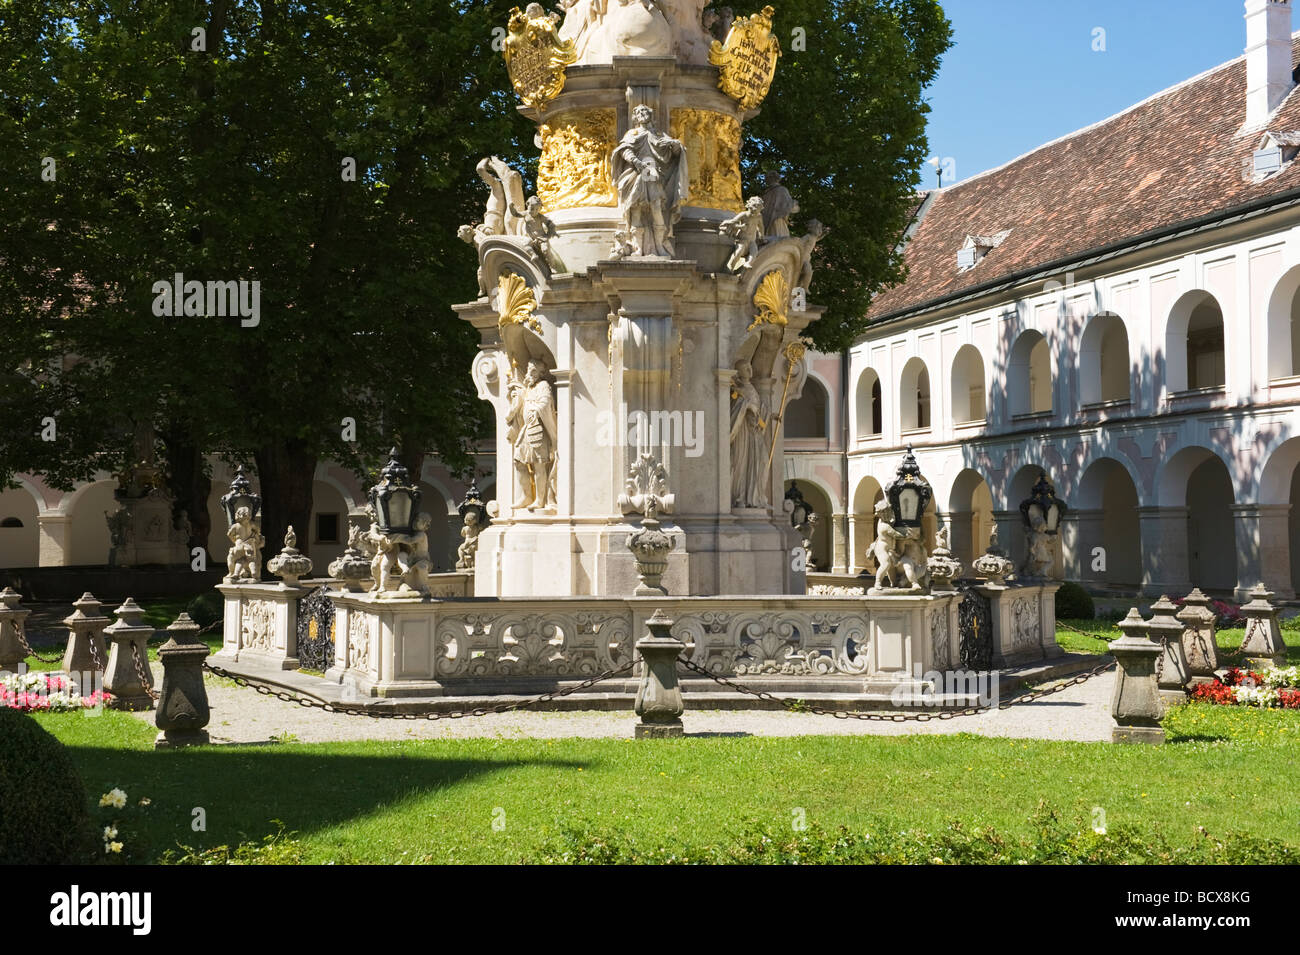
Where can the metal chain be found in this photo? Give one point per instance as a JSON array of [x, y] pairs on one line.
[[310, 702], [95, 658], [20, 629], [799, 706], [139, 672]]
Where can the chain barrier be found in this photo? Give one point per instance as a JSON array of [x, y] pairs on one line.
[[139, 672], [95, 658], [799, 706], [267, 689], [27, 647]]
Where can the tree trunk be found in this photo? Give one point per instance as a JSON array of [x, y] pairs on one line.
[[190, 488], [285, 470]]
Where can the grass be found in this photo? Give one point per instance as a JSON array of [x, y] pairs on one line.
[[1098, 633], [1229, 770]]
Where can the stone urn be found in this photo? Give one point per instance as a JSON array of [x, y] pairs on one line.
[[353, 568], [993, 564], [290, 564], [650, 546], [942, 565]]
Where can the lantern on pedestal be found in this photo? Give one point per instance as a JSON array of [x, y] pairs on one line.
[[909, 493], [241, 495], [394, 500], [1043, 504]]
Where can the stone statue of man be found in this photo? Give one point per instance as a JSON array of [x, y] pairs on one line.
[[649, 169], [530, 420], [749, 448], [778, 207]]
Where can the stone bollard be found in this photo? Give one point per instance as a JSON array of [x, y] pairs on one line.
[[12, 652], [130, 637], [1136, 704], [1263, 645], [659, 697], [87, 650], [1199, 648], [183, 709], [1164, 629]]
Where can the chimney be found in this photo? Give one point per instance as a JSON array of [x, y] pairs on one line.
[[1268, 57]]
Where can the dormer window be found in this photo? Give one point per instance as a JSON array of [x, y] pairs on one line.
[[976, 247], [1274, 151]]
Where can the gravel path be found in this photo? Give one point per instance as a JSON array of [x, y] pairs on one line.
[[241, 715]]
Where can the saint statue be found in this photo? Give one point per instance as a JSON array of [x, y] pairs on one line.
[[649, 169], [748, 444], [505, 198], [778, 207], [530, 421], [1039, 558]]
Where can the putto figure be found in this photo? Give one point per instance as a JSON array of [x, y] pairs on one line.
[[244, 559], [900, 557], [649, 169], [747, 229], [532, 433]]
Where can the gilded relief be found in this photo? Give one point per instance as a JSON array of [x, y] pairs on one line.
[[712, 142], [574, 168]]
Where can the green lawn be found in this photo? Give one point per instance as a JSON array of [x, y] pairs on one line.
[[1098, 633], [1231, 771], [158, 613]]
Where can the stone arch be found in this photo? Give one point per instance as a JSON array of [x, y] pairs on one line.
[[1104, 370], [914, 396], [808, 416], [1194, 343], [1283, 335], [1200, 480], [1107, 516], [87, 540], [865, 496], [968, 394], [869, 405], [1029, 374], [970, 516], [20, 532], [820, 500]]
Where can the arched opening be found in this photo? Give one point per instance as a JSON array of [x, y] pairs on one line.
[[1279, 500], [1211, 536], [1283, 335], [444, 538], [914, 396], [1103, 361], [1194, 345], [806, 416], [88, 539], [1029, 375], [1108, 519], [820, 539], [864, 519], [20, 544], [868, 406], [968, 404], [970, 515]]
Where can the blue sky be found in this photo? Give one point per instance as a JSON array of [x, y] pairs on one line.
[[1023, 73]]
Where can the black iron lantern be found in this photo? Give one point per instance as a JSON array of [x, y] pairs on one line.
[[241, 495], [394, 500], [909, 493], [474, 502], [1043, 505]]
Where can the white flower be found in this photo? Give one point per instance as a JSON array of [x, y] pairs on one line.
[[114, 797], [1099, 830], [110, 833], [113, 847]]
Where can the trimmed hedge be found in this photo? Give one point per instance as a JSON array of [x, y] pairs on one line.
[[44, 817], [1073, 603], [206, 608]]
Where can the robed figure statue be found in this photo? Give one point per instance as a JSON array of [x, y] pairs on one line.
[[749, 448], [649, 169]]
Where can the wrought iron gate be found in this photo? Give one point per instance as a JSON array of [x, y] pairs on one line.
[[975, 625], [316, 630]]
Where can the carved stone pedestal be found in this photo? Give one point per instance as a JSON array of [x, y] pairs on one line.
[[183, 710], [86, 650], [659, 697], [128, 661], [1136, 704], [12, 619], [1024, 622], [260, 622]]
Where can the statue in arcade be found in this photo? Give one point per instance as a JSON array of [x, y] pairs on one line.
[[748, 445], [746, 227], [778, 207], [244, 559], [1038, 560], [649, 170], [531, 426]]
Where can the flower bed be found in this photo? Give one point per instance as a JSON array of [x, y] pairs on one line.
[[46, 693], [1275, 687]]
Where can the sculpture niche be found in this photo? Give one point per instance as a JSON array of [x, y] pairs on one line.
[[531, 431], [749, 421], [649, 170]]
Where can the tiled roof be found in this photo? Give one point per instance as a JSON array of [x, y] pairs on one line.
[[1170, 159]]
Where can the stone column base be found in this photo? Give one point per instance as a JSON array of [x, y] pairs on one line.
[[1138, 734], [659, 730], [174, 739]]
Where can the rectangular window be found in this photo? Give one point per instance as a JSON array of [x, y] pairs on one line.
[[327, 528]]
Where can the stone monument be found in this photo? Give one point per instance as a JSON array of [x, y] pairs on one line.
[[637, 305]]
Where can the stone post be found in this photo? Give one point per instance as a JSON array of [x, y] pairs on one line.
[[87, 649], [841, 557], [1136, 704], [183, 709], [1263, 645], [12, 620], [1164, 629], [1199, 648], [659, 697], [130, 636]]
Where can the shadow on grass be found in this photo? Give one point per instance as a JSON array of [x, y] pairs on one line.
[[242, 790], [1172, 740]]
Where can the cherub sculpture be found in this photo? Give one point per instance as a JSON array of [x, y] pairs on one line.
[[244, 559], [746, 227]]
